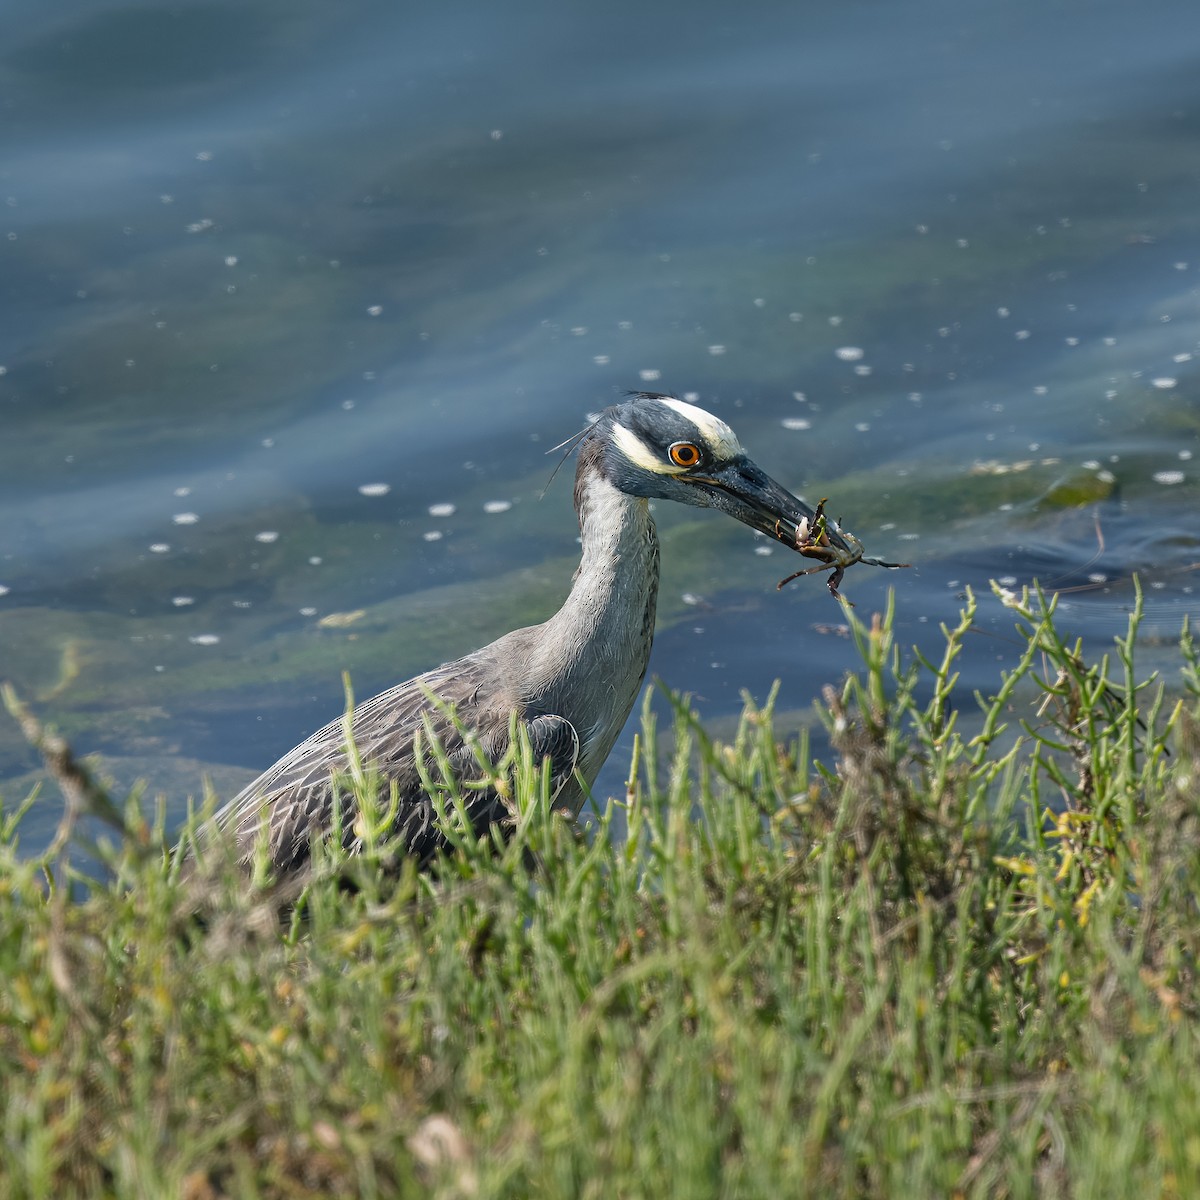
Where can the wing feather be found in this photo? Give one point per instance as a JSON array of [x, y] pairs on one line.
[[306, 794]]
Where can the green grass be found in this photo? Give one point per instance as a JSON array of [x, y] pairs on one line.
[[950, 962]]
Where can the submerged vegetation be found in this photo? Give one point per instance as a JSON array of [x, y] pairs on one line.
[[960, 959]]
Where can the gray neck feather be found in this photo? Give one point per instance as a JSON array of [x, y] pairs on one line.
[[590, 660]]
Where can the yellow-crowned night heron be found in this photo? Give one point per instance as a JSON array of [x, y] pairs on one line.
[[572, 680]]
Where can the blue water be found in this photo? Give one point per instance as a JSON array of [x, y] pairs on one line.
[[937, 261]]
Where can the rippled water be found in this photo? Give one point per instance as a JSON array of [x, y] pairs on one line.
[[295, 296]]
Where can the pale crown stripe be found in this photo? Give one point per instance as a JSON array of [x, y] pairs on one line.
[[722, 441]]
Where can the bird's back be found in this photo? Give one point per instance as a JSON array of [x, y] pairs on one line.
[[308, 794]]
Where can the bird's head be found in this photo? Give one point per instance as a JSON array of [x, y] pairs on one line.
[[665, 449]]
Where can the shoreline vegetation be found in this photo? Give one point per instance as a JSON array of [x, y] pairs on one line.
[[958, 959]]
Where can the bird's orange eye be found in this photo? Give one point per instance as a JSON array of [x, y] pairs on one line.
[[684, 454]]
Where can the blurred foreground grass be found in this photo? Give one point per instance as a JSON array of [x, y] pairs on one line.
[[953, 962]]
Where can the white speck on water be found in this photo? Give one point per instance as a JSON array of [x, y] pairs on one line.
[[496, 134], [166, 198], [601, 360], [182, 601], [242, 603], [183, 491], [799, 396], [578, 330], [375, 310], [915, 397], [188, 518], [862, 426], [863, 370], [1090, 464], [347, 405], [835, 321], [231, 260], [1002, 312], [1021, 334], [159, 547], [624, 325], [849, 353], [308, 611], [692, 397], [1180, 266], [764, 551], [1106, 476], [795, 318], [1185, 454], [1110, 341], [1097, 577], [691, 598], [204, 155], [374, 489], [204, 639], [1158, 584], [1181, 358], [442, 510], [1164, 382], [201, 226], [759, 302], [1071, 341], [1007, 580], [796, 423], [497, 506], [650, 374], [4, 590], [716, 350], [315, 560], [432, 535], [267, 536], [1168, 477], [909, 537], [1005, 508]]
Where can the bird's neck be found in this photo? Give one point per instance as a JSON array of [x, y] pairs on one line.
[[600, 638], [615, 589]]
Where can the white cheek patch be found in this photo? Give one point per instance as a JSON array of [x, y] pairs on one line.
[[722, 441], [640, 454]]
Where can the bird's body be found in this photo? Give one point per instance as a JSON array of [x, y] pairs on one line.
[[572, 680]]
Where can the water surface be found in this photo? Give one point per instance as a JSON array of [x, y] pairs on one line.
[[278, 279]]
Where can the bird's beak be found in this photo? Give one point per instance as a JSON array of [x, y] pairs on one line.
[[745, 491]]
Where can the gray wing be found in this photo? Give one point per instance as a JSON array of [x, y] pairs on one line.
[[306, 795], [555, 740]]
